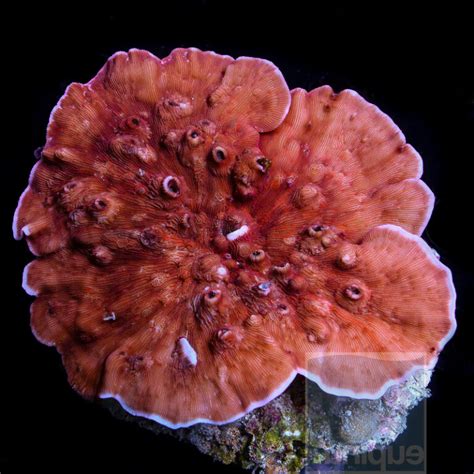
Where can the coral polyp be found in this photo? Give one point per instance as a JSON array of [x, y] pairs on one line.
[[204, 235]]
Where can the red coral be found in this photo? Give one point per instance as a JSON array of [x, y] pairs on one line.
[[200, 243]]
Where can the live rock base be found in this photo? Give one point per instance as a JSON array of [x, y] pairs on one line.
[[303, 426]]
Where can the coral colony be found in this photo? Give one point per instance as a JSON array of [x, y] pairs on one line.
[[204, 235]]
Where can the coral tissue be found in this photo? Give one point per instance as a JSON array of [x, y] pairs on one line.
[[203, 235]]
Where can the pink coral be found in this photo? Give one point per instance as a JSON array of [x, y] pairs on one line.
[[201, 242]]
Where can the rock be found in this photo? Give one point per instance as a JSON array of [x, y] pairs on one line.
[[303, 426]]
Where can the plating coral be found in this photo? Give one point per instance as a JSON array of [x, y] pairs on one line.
[[201, 241]]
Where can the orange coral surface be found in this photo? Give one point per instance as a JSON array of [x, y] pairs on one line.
[[201, 241]]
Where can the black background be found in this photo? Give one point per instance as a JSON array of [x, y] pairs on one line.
[[413, 64]]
